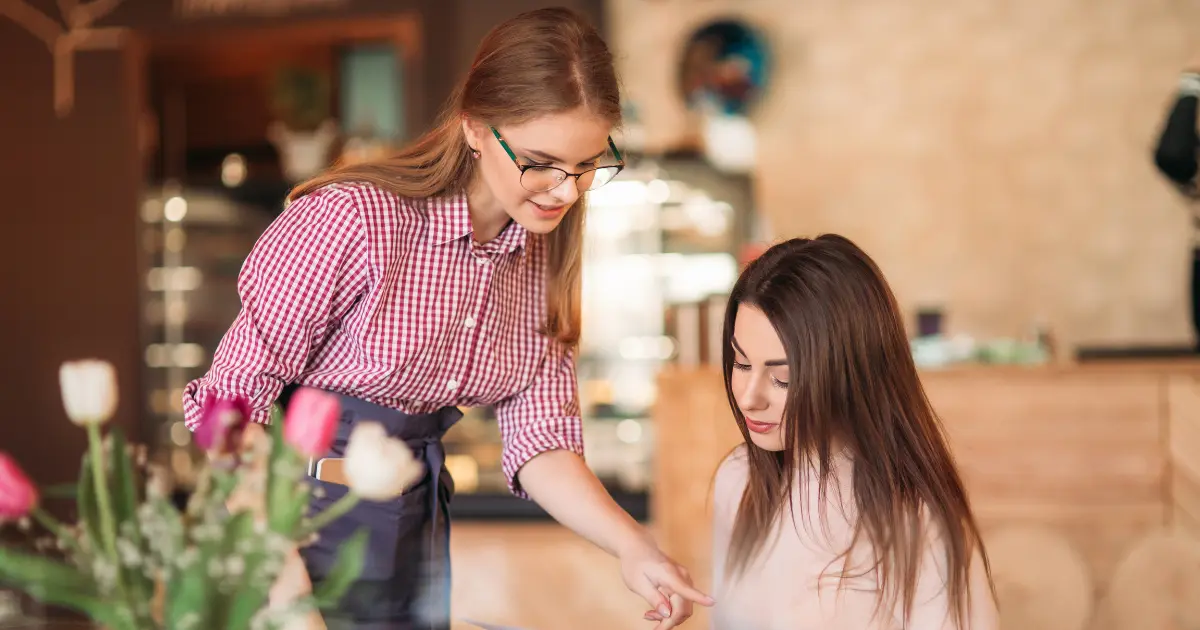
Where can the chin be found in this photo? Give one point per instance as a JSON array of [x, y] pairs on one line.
[[772, 441]]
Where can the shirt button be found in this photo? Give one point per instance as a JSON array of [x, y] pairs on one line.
[[481, 261], [469, 322], [451, 384]]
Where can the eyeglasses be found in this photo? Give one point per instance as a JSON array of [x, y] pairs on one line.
[[539, 178]]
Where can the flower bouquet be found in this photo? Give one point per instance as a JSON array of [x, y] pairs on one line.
[[135, 561]]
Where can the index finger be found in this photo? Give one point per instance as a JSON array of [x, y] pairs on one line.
[[673, 581]]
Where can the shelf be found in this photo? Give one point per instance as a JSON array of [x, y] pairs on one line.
[[505, 507]]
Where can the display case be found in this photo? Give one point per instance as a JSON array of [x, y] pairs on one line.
[[195, 242]]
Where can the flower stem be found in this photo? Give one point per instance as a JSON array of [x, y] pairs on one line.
[[60, 532], [100, 481], [107, 520], [330, 514]]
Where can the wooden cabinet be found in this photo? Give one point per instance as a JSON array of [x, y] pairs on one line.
[[1100, 454]]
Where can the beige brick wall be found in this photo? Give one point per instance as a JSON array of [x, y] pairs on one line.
[[994, 157]]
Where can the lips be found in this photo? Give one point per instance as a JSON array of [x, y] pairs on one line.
[[548, 212], [760, 427]]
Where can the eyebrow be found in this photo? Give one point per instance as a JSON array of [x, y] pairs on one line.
[[771, 363], [550, 158]]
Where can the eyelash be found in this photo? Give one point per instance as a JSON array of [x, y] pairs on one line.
[[745, 368]]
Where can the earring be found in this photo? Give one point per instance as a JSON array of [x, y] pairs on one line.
[[475, 154]]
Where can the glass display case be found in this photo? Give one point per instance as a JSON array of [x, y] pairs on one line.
[[195, 242]]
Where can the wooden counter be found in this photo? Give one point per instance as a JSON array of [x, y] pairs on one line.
[[538, 576], [1102, 454]]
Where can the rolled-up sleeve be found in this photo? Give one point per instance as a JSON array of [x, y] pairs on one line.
[[543, 417], [305, 272]]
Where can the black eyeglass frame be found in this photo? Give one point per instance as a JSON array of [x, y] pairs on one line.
[[620, 165]]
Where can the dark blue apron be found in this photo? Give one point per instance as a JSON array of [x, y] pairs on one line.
[[405, 583]]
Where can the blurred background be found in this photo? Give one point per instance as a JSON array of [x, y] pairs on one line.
[[995, 158]]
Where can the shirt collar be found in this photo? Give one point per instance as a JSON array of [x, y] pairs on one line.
[[450, 220], [511, 239]]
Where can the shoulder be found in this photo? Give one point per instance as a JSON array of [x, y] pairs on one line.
[[368, 202], [731, 477], [323, 220], [329, 206], [377, 213]]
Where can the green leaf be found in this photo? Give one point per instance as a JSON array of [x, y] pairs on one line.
[[124, 484], [85, 502], [53, 582], [222, 484], [26, 568], [294, 510], [125, 496], [238, 528], [191, 591], [250, 594], [286, 499], [348, 566]]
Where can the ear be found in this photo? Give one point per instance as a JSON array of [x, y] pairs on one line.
[[474, 133]]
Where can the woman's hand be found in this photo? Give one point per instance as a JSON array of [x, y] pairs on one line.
[[565, 487], [294, 584], [665, 585]]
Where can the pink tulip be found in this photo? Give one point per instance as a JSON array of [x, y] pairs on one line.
[[18, 495], [221, 425], [311, 422]]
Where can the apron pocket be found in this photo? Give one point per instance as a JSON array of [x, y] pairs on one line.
[[393, 527]]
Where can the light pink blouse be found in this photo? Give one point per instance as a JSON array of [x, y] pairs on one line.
[[779, 590]]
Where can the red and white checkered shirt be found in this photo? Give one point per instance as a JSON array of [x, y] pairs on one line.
[[391, 300]]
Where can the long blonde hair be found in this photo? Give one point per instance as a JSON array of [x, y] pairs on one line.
[[538, 63]]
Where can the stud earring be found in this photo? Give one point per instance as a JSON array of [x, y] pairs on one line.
[[475, 154]]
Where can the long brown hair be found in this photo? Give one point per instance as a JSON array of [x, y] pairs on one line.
[[854, 383], [538, 63]]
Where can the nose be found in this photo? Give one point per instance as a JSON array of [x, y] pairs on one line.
[[751, 397], [567, 192]]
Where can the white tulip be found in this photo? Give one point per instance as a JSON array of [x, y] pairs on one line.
[[89, 390], [378, 467]]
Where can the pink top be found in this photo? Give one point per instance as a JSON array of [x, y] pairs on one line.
[[778, 591], [392, 300]]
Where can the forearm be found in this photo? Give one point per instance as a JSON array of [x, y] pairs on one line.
[[564, 486], [569, 491]]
